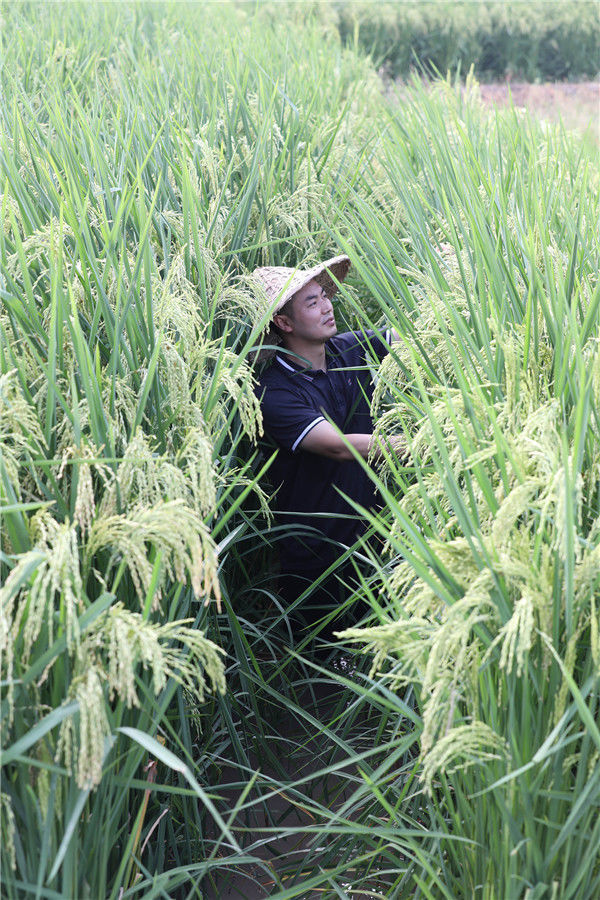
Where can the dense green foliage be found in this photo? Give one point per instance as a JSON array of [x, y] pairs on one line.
[[150, 157], [539, 41], [488, 601]]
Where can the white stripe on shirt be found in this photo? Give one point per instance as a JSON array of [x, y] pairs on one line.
[[287, 365], [291, 368], [306, 430]]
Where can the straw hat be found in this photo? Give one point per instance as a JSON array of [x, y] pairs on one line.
[[281, 283]]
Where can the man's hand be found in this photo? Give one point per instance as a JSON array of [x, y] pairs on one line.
[[394, 445]]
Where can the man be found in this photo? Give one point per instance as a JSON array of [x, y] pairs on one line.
[[317, 389]]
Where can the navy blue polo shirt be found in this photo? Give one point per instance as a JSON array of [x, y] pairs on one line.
[[307, 485]]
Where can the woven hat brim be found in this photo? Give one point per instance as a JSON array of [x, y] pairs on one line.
[[281, 283]]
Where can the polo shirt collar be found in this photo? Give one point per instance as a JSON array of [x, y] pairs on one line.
[[292, 366]]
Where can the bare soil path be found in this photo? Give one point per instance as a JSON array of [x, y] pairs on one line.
[[577, 103]]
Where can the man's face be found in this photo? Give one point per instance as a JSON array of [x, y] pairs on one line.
[[311, 317]]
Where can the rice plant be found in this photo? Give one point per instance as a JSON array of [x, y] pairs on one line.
[[487, 602], [150, 157]]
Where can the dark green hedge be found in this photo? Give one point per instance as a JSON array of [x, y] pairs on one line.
[[546, 41]]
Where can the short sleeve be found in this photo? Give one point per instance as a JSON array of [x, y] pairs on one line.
[[364, 345], [288, 416], [376, 345]]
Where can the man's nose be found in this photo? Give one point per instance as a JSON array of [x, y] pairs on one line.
[[327, 305]]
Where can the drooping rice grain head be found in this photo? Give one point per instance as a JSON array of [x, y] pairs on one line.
[[468, 745], [170, 528], [106, 664], [40, 578], [129, 641], [195, 459], [143, 478], [176, 310], [7, 818], [93, 726], [21, 435], [235, 384]]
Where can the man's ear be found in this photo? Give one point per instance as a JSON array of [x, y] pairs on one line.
[[284, 323]]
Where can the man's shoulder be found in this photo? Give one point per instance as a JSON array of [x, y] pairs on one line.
[[276, 378], [360, 344], [348, 342]]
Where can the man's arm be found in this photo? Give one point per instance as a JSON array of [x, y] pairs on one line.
[[325, 440]]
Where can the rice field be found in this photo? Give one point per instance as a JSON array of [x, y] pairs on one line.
[[158, 708]]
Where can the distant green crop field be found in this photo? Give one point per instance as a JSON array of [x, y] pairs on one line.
[[151, 156], [539, 41]]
